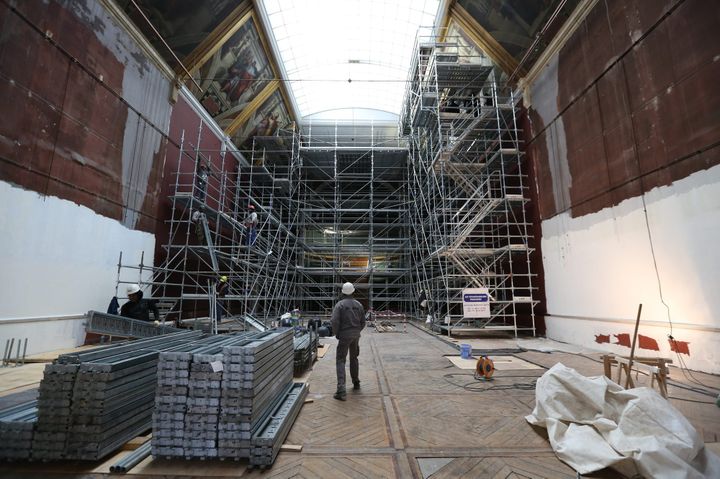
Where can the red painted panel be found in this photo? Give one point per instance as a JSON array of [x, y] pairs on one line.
[[589, 172], [74, 27], [612, 97], [602, 338], [623, 339], [657, 107], [537, 152], [682, 347], [646, 342], [647, 69], [690, 52]]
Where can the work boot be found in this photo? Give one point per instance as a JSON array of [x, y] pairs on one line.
[[340, 396], [356, 385]]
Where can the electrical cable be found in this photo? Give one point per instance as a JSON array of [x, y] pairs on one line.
[[474, 385], [682, 365]]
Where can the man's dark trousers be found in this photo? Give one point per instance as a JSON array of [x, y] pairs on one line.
[[344, 346]]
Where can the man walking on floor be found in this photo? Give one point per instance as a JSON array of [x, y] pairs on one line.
[[348, 319]]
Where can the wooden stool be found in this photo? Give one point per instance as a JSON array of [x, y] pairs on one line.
[[656, 368]]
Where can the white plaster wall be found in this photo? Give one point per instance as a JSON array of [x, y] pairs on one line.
[[58, 259], [600, 267]]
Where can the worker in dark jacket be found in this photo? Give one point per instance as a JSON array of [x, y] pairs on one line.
[[137, 307], [348, 319]]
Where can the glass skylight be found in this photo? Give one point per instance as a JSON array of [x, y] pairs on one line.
[[347, 54]]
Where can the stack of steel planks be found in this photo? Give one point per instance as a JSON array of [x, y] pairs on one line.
[[17, 424], [203, 402], [305, 350], [257, 375], [54, 401], [90, 403], [271, 434], [114, 325], [187, 397]]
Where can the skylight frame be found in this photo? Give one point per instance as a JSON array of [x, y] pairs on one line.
[[364, 67]]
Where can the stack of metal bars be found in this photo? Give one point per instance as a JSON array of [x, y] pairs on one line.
[[17, 424], [187, 397], [54, 400], [203, 401], [171, 403], [171, 395], [92, 402], [271, 434], [305, 350], [256, 377]]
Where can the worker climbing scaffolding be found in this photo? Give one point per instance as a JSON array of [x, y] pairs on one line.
[[251, 221]]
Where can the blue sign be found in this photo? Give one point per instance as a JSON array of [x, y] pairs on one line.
[[476, 298]]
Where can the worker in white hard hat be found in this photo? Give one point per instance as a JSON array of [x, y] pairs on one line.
[[137, 307], [348, 320], [251, 221]]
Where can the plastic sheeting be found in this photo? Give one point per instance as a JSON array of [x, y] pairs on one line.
[[593, 423]]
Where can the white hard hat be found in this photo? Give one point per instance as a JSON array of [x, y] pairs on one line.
[[133, 288], [348, 288], [286, 316]]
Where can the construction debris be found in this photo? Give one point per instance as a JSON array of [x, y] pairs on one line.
[[390, 327]]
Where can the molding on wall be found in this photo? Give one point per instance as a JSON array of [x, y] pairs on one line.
[[676, 325], [559, 40], [482, 38]]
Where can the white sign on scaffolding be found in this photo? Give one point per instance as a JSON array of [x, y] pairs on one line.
[[476, 303]]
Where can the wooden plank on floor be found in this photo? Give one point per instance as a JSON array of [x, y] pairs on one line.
[[13, 379], [322, 350]]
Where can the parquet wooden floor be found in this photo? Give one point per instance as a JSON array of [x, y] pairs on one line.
[[415, 408]]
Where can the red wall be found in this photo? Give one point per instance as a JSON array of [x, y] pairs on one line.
[[637, 101], [69, 116]]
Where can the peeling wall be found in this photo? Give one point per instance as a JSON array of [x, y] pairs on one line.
[[92, 110], [84, 164], [627, 111]]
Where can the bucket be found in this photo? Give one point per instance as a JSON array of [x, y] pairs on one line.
[[465, 351]]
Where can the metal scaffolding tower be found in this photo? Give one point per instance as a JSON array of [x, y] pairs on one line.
[[208, 237], [466, 175], [354, 213]]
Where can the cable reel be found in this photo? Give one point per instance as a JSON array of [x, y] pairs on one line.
[[484, 368]]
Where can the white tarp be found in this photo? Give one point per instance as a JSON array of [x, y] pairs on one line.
[[594, 423]]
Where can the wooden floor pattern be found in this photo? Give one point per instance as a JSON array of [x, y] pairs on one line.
[[415, 408]]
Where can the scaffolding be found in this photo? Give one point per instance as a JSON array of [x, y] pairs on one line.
[[354, 216], [465, 172], [209, 236], [434, 205]]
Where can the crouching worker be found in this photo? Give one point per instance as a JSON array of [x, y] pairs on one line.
[[137, 307], [348, 320]]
